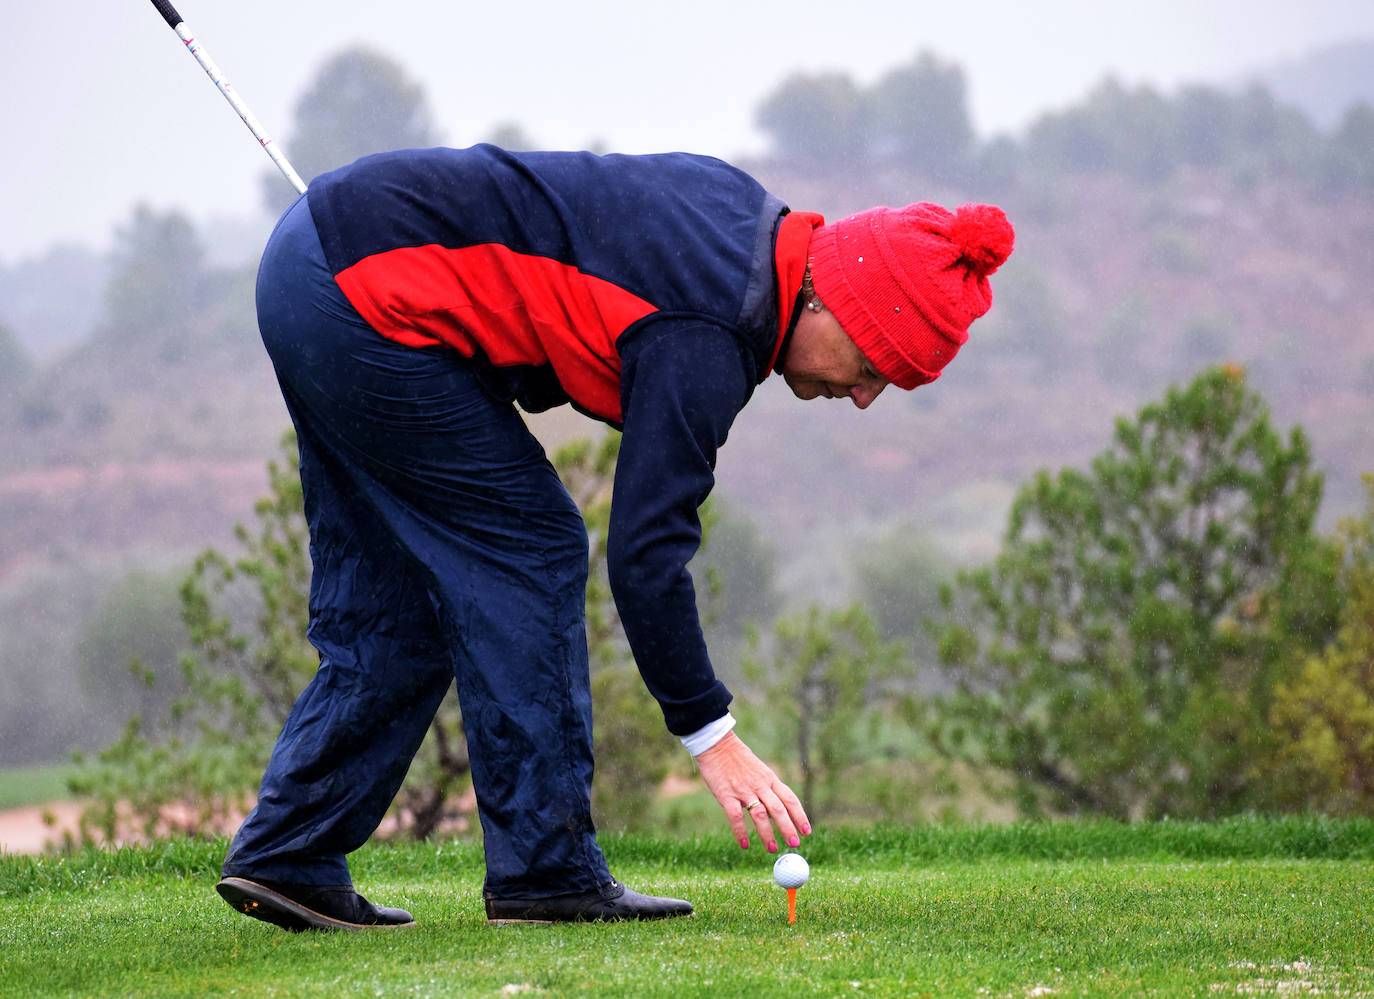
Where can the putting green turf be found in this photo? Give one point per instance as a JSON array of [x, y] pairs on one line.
[[1250, 907]]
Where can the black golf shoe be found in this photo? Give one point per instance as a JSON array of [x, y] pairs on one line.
[[309, 907], [610, 903]]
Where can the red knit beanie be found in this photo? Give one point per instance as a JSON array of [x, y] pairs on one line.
[[905, 283]]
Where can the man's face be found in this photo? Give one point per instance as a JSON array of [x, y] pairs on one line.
[[823, 362]]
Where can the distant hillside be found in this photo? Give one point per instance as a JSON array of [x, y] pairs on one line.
[[1326, 82], [52, 301]]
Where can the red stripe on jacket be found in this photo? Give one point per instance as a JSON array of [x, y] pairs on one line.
[[517, 309]]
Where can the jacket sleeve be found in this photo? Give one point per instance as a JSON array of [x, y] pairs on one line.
[[683, 382]]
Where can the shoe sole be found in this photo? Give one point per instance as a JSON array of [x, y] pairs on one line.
[[260, 902], [518, 921]]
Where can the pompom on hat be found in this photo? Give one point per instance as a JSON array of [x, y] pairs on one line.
[[905, 283]]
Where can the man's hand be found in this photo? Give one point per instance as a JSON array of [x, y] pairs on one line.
[[746, 786]]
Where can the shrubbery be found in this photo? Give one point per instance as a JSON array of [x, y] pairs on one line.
[[1121, 656]]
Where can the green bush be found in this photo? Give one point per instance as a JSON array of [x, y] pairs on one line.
[[1325, 714], [824, 689], [1121, 655]]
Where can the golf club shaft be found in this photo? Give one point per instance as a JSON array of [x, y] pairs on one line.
[[174, 21]]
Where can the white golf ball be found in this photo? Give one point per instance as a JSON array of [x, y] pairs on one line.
[[791, 870]]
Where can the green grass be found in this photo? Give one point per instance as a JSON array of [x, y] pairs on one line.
[[1251, 906], [35, 785]]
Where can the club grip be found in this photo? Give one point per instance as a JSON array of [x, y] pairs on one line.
[[168, 12]]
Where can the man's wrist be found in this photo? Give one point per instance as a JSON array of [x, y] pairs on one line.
[[708, 735]]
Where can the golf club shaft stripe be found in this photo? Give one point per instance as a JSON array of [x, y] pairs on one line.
[[226, 88]]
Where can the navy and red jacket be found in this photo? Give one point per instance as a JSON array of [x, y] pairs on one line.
[[652, 292]]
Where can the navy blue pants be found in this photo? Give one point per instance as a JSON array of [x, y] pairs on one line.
[[444, 547]]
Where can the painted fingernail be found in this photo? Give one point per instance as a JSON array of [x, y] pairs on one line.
[[772, 847], [744, 842], [806, 830], [793, 841]]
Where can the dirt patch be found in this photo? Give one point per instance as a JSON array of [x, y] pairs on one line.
[[37, 828], [41, 828]]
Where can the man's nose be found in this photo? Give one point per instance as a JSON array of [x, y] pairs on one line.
[[863, 395]]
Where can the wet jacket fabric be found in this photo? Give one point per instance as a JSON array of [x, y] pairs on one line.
[[651, 292]]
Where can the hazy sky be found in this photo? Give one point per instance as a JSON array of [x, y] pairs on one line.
[[103, 107]]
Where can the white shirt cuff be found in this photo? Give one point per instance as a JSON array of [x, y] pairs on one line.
[[708, 735]]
